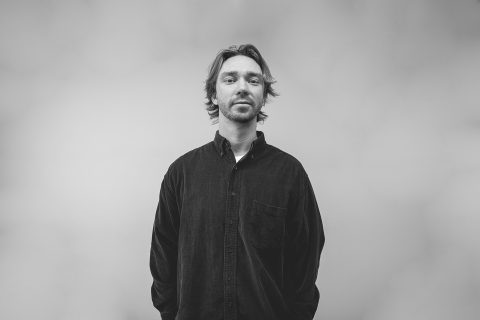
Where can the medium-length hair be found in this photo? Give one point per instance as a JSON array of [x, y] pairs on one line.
[[247, 50]]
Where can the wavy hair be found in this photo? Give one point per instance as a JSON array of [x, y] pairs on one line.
[[247, 50]]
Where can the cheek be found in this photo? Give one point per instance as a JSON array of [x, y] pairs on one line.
[[259, 93], [223, 93]]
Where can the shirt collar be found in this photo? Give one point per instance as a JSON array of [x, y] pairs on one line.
[[223, 145]]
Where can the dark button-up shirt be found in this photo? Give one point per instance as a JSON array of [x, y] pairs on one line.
[[236, 241]]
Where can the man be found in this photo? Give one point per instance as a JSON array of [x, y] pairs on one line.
[[237, 232]]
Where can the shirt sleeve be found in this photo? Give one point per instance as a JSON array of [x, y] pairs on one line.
[[163, 253], [305, 240]]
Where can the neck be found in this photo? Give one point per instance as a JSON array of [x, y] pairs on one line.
[[240, 135]]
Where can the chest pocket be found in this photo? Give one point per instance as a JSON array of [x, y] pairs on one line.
[[265, 225]]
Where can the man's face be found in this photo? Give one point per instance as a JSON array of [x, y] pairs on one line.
[[239, 89]]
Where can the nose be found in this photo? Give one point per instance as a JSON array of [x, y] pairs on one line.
[[242, 87]]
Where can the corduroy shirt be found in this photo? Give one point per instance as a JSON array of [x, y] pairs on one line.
[[236, 240]]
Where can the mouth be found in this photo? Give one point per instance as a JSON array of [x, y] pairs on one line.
[[243, 102]]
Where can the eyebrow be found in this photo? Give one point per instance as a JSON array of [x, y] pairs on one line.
[[235, 73]]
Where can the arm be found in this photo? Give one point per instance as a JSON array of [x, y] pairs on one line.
[[305, 239], [163, 253]]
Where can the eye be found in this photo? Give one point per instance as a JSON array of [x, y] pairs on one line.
[[255, 81], [229, 80]]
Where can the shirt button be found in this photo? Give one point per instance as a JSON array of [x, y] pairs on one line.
[[235, 167], [233, 193]]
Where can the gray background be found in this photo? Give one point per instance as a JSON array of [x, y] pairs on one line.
[[379, 101]]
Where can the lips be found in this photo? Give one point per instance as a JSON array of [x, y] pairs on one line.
[[243, 102]]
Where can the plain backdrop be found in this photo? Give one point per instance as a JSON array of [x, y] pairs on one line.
[[379, 99]]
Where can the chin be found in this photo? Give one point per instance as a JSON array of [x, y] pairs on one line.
[[242, 118]]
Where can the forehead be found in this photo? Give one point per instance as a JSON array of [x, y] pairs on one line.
[[240, 64]]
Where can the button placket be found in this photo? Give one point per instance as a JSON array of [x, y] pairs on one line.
[[230, 247]]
